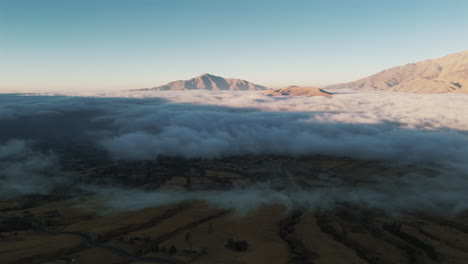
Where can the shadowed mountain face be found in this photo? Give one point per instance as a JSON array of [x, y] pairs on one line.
[[442, 75], [208, 82]]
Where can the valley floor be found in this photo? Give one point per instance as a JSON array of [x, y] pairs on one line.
[[44, 228]]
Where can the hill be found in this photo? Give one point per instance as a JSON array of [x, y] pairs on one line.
[[298, 91], [208, 82], [442, 75]]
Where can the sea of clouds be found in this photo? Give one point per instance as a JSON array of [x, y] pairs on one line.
[[402, 128]]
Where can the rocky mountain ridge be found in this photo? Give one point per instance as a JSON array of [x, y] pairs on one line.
[[442, 75]]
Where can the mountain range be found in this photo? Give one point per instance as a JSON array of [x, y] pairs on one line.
[[208, 82], [442, 75]]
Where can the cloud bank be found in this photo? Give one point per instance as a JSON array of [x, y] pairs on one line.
[[25, 171], [410, 129], [407, 128], [388, 126], [442, 193]]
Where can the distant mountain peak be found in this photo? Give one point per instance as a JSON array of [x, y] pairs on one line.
[[206, 75], [442, 75], [208, 81]]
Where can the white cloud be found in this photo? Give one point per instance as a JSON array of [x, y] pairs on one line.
[[413, 129], [388, 126]]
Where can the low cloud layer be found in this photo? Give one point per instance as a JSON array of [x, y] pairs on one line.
[[411, 129], [443, 193], [24, 171], [388, 126]]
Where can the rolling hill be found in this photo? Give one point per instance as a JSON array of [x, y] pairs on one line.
[[442, 75], [298, 91]]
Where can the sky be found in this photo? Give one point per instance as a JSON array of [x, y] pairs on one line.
[[89, 45]]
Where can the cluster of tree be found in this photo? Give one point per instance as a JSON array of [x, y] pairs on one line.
[[237, 245], [15, 223]]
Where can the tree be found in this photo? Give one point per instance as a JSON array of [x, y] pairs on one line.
[[188, 238], [172, 250], [237, 245]]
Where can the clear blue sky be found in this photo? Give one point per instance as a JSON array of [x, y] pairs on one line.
[[122, 44]]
